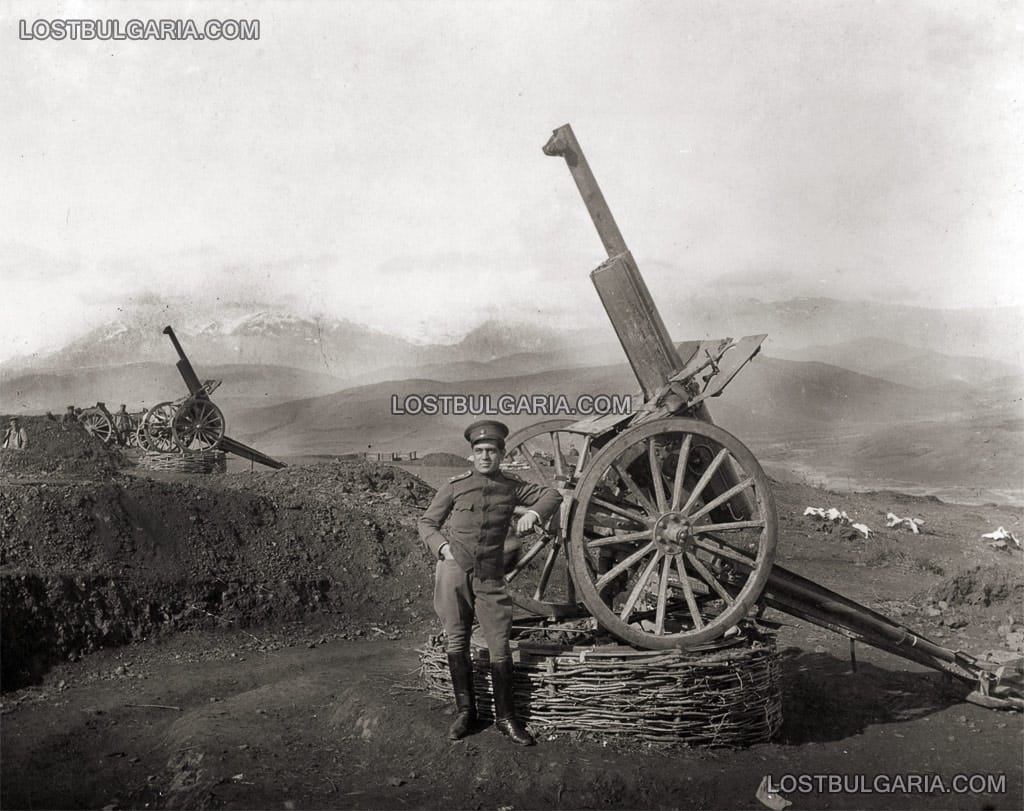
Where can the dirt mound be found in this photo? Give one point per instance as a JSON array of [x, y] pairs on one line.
[[979, 586], [442, 460], [62, 449], [136, 556]]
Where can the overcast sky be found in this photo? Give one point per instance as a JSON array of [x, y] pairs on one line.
[[382, 161]]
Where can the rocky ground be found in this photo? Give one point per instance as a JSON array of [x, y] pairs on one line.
[[249, 641]]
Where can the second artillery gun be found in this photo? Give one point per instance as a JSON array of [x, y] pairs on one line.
[[192, 423], [668, 532]]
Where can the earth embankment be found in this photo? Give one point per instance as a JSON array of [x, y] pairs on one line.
[[89, 564]]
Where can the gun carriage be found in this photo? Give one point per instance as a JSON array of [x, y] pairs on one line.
[[119, 427], [668, 532], [193, 422], [99, 422]]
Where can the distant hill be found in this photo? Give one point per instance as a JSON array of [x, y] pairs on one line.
[[991, 332], [806, 419], [522, 363], [898, 393], [900, 363], [335, 347], [353, 352], [773, 398], [361, 418], [145, 384]]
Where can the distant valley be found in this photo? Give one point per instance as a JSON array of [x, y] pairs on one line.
[[869, 411]]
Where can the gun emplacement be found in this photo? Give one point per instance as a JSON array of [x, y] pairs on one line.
[[670, 528], [192, 423]]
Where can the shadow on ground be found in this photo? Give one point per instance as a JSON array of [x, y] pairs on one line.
[[824, 699]]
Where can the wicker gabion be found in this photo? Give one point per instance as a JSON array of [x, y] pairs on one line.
[[207, 461], [728, 697]]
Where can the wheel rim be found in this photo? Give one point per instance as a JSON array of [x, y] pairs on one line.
[[131, 436], [97, 424], [156, 433], [673, 534], [198, 425], [540, 582], [124, 429]]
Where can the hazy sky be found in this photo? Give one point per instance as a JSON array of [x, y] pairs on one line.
[[382, 161]]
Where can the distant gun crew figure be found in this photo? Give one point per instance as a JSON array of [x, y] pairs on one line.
[[476, 509], [122, 421], [70, 415], [15, 437]]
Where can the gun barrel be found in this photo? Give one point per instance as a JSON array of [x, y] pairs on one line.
[[622, 289], [563, 144], [188, 374], [174, 340]]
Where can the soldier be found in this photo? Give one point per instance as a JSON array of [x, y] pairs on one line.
[[15, 436], [69, 415], [469, 582], [122, 424]]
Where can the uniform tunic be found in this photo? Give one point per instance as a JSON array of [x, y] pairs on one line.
[[479, 511], [15, 438], [476, 511]]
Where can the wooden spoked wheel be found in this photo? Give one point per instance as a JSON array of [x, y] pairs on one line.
[[198, 425], [539, 582], [125, 429], [155, 433], [131, 431], [139, 435], [98, 424], [673, 534]]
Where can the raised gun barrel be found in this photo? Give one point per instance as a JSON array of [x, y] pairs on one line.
[[622, 289], [198, 391], [188, 374], [563, 144]]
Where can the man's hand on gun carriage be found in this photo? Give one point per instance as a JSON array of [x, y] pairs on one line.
[[527, 521]]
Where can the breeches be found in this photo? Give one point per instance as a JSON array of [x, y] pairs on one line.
[[459, 596]]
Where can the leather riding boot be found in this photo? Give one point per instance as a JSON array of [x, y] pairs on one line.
[[461, 668], [502, 674]]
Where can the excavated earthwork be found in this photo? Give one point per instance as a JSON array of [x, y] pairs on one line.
[[90, 563], [281, 611]]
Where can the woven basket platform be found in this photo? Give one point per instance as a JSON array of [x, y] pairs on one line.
[[729, 697], [186, 462]]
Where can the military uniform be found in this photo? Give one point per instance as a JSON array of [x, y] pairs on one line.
[[478, 509], [122, 425], [15, 438], [471, 515]]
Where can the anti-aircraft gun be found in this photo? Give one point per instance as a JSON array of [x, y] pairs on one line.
[[192, 423], [668, 531]]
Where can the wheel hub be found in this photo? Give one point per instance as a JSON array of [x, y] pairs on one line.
[[672, 533]]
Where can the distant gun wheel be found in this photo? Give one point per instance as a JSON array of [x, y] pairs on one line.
[[125, 429], [131, 432], [673, 534], [155, 434], [198, 425], [539, 580], [98, 424]]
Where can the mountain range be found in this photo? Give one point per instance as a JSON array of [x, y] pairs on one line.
[[336, 347], [898, 395], [350, 351]]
